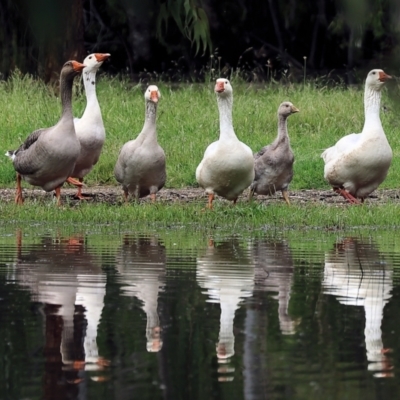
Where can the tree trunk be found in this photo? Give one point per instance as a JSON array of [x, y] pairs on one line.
[[58, 28]]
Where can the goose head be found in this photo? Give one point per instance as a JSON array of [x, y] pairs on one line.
[[72, 68], [376, 79], [223, 87], [152, 94], [287, 108], [94, 61]]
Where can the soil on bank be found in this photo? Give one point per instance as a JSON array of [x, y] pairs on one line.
[[113, 195]]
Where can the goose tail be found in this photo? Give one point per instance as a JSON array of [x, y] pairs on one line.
[[11, 154]]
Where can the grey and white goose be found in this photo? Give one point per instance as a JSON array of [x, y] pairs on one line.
[[48, 155], [273, 164]]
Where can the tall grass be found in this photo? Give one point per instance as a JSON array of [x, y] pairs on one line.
[[188, 121]]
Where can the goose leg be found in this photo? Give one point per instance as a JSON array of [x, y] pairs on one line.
[[79, 194], [74, 182], [153, 197], [286, 196], [251, 194], [349, 197], [58, 195], [126, 193], [18, 196], [210, 201]]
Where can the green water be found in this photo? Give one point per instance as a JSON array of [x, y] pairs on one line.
[[98, 313]]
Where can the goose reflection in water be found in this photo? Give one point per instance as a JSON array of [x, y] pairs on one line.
[[141, 265], [226, 272], [274, 273], [63, 275], [356, 273]]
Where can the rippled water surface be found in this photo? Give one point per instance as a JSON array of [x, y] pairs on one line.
[[181, 315]]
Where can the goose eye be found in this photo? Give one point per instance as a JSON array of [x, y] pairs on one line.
[[90, 57], [374, 73]]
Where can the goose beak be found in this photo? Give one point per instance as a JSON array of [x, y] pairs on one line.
[[154, 96], [294, 109], [219, 87], [384, 77], [100, 57], [77, 66]]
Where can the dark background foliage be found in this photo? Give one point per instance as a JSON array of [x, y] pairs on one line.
[[180, 39]]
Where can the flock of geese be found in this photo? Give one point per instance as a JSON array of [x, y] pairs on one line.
[[66, 152]]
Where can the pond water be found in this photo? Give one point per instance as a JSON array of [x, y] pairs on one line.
[[181, 315]]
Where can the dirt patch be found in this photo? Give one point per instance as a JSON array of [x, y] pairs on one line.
[[113, 195]]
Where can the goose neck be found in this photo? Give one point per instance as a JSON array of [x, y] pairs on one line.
[[92, 104], [150, 117], [282, 129], [89, 81], [372, 103], [225, 105], [66, 82]]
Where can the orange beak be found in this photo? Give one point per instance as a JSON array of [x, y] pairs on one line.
[[384, 77], [77, 66], [102, 56], [219, 87], [154, 96]]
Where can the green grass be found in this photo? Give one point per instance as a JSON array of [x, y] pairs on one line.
[[233, 219], [187, 123]]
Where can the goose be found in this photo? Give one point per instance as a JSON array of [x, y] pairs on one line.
[[358, 275], [141, 265], [228, 281], [140, 167], [273, 164], [47, 157], [227, 167], [89, 128], [358, 163]]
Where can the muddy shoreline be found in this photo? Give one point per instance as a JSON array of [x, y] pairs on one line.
[[113, 195]]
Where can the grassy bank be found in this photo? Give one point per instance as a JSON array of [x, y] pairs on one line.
[[241, 218], [187, 123]]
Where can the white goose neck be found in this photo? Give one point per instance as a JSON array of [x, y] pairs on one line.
[[89, 81], [372, 103], [225, 105]]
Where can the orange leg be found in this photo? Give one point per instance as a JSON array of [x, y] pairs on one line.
[[153, 197], [79, 194], [18, 196], [74, 182], [349, 197], [210, 201], [58, 195], [126, 194]]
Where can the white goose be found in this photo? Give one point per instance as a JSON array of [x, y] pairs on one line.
[[47, 157], [140, 167], [358, 163], [227, 167], [89, 128]]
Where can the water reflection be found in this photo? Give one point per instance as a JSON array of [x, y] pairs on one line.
[[274, 271], [141, 265], [66, 278], [226, 271], [357, 274]]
